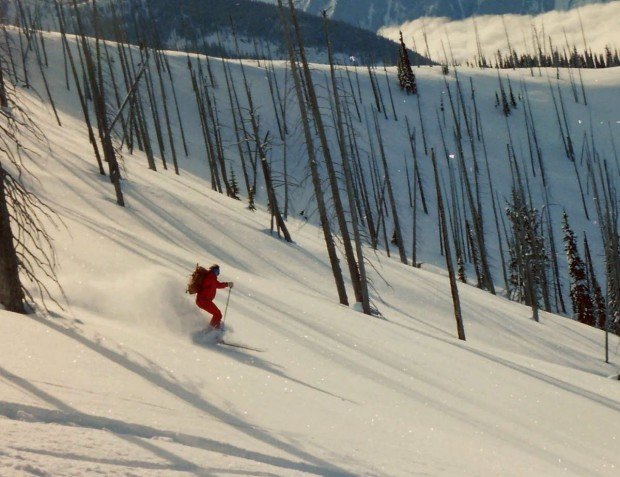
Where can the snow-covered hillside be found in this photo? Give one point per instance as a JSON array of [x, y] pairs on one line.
[[114, 385], [562, 27]]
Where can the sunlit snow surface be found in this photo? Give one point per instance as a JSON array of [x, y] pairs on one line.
[[114, 384]]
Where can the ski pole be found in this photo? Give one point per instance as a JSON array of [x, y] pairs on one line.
[[226, 309]]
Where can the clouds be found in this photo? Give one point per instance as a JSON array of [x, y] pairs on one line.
[[600, 24]]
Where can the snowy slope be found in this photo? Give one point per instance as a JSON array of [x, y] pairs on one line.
[[600, 117], [114, 384]]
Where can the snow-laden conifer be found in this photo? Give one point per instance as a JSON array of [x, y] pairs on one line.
[[406, 76], [583, 309]]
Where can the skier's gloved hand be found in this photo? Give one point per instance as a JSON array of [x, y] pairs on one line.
[[230, 284]]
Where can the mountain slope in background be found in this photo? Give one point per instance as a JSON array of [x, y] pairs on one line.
[[374, 14], [196, 24]]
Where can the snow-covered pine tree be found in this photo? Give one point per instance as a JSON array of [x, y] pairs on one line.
[[583, 309], [406, 76], [527, 252], [400, 71]]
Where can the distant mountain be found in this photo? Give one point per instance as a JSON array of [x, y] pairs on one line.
[[196, 25], [374, 14]]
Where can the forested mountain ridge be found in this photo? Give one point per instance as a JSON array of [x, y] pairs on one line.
[[200, 25], [187, 18]]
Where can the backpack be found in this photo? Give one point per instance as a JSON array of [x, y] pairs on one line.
[[195, 280]]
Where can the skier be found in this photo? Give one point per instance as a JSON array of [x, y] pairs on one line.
[[206, 294]]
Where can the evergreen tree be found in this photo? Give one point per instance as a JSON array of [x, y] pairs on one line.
[[461, 276], [394, 238], [612, 253], [234, 185], [406, 77], [583, 308], [527, 252], [513, 101], [400, 71], [613, 303], [600, 309], [505, 104]]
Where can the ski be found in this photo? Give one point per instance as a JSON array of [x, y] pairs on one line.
[[239, 345]]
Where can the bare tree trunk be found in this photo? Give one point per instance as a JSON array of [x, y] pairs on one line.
[[339, 208], [150, 89], [215, 126], [11, 293], [97, 87], [397, 230], [238, 137], [117, 96], [76, 78], [262, 155], [346, 166], [46, 85], [446, 245], [4, 100], [23, 49], [416, 170], [10, 54], [362, 187], [374, 89], [312, 162], [215, 182], [164, 101], [387, 80]]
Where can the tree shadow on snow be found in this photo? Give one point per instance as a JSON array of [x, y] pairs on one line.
[[309, 463], [272, 307]]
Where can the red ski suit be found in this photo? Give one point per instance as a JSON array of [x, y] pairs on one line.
[[204, 298]]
